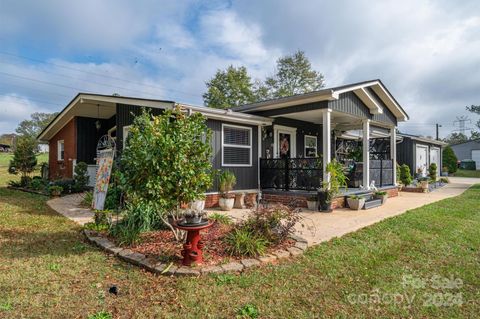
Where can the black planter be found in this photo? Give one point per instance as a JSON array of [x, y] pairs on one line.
[[324, 205]]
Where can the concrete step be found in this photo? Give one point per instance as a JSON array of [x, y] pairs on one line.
[[372, 203]]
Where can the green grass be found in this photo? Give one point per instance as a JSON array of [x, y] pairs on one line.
[[5, 161], [467, 173], [48, 271]]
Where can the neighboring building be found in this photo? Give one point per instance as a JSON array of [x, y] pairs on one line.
[[419, 152], [5, 148], [468, 151], [280, 146]]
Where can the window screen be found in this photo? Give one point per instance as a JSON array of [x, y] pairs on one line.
[[236, 146]]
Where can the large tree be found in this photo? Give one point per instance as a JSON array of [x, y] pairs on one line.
[[37, 122], [456, 138], [294, 75], [228, 88]]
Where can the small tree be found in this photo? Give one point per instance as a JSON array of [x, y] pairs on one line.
[[432, 171], [449, 159], [166, 162], [81, 176], [405, 175], [24, 159]]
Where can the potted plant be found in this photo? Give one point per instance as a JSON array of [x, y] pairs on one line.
[[332, 187], [312, 203], [405, 176], [55, 191], [198, 204], [424, 184], [193, 216], [381, 195], [356, 202], [227, 181]]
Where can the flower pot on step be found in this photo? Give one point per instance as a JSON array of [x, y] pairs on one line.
[[226, 203], [356, 203]]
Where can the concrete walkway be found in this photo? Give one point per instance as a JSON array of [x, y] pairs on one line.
[[320, 227], [69, 206]]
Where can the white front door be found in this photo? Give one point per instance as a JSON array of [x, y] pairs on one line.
[[476, 158], [285, 141], [421, 160], [435, 158]]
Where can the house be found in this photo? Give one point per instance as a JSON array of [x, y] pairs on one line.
[[5, 148], [279, 146], [419, 152], [469, 150]]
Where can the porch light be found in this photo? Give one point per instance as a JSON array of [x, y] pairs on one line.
[[98, 125]]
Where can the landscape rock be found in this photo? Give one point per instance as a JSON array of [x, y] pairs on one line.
[[233, 266], [267, 258], [187, 271], [247, 263], [294, 251], [212, 270], [281, 253], [301, 245]]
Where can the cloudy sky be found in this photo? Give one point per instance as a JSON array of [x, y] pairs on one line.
[[426, 52]]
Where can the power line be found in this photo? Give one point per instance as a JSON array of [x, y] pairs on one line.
[[461, 121], [94, 73]]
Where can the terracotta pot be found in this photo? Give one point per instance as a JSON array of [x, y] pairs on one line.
[[382, 197], [356, 204], [226, 203]]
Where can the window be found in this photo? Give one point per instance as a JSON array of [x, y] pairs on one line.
[[126, 130], [310, 146], [60, 150], [236, 145]]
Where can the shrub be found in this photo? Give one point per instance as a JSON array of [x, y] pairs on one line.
[[432, 171], [114, 197], [169, 162], [444, 180], [221, 218], [138, 218], [405, 176], [242, 242], [55, 190], [88, 199], [96, 227], [66, 184], [81, 176], [337, 179], [381, 193], [449, 159], [274, 223], [38, 184]]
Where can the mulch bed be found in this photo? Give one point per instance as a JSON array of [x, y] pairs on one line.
[[161, 245]]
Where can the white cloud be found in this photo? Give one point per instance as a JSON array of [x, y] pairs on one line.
[[14, 109]]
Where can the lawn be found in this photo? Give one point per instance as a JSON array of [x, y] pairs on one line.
[[48, 271], [467, 173], [5, 160]]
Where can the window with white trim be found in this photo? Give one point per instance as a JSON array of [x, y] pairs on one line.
[[236, 145], [310, 146], [126, 131], [60, 150]]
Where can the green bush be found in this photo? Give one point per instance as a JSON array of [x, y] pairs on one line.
[[449, 160], [87, 199], [38, 184], [138, 218], [432, 171], [405, 176], [81, 176], [444, 180], [242, 242], [55, 190], [221, 218], [24, 158]]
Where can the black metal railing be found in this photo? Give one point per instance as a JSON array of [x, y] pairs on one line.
[[381, 171], [291, 173]]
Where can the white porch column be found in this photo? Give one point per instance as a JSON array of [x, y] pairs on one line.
[[393, 152], [327, 142], [366, 153]]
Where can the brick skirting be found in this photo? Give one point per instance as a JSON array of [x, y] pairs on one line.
[[287, 198]]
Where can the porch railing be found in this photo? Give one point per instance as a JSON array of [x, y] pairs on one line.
[[291, 173], [381, 171]]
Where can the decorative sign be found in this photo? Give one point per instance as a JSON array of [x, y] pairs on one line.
[[105, 155]]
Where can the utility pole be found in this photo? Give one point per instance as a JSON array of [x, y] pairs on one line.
[[437, 126]]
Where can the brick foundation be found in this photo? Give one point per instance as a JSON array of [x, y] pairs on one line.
[[413, 190], [211, 200], [287, 198]]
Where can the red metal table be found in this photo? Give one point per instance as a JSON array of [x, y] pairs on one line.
[[192, 249]]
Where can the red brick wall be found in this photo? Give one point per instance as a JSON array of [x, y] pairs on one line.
[[63, 169]]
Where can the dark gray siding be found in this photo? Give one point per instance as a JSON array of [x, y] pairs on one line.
[[349, 103], [406, 153], [88, 136], [247, 177], [293, 109], [464, 151], [125, 117]]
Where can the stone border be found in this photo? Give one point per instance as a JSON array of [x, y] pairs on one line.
[[160, 268]]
